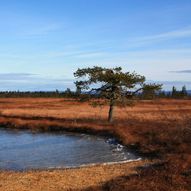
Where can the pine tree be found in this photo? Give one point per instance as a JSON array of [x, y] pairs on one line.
[[174, 92], [184, 91], [113, 84]]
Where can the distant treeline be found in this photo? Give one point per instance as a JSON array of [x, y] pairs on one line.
[[44, 94], [174, 93]]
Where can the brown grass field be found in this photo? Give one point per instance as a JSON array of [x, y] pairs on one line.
[[159, 129]]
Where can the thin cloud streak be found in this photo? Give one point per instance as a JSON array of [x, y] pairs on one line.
[[40, 30], [33, 82], [181, 71], [169, 35], [16, 76], [77, 54], [29, 76], [175, 34]]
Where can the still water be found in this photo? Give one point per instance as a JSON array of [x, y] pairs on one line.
[[23, 150]]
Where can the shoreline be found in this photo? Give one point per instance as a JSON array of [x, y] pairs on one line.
[[91, 165], [66, 179]]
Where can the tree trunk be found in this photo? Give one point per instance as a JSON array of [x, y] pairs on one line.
[[111, 107]]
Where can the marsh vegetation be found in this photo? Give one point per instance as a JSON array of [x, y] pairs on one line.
[[159, 128]]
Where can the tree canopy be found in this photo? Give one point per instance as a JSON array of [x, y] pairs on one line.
[[112, 84]]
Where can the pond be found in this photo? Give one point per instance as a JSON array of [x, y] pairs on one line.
[[24, 150]]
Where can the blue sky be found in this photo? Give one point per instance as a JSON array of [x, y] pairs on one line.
[[42, 42]]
